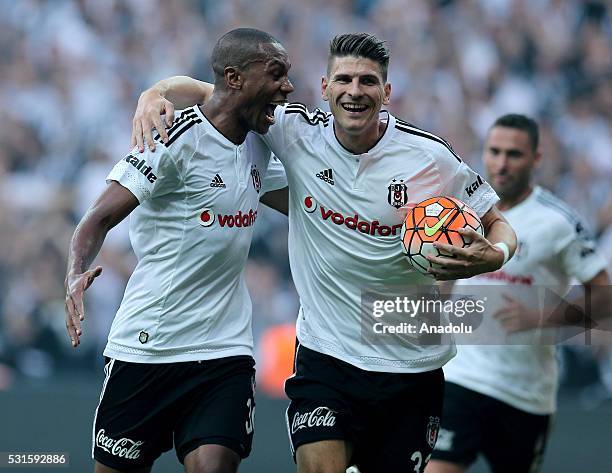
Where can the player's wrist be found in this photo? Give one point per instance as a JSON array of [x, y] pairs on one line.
[[154, 92], [504, 250]]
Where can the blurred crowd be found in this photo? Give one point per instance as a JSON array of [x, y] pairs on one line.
[[71, 73]]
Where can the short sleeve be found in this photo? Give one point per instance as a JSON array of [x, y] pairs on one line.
[[275, 176], [461, 181], [147, 175], [291, 123], [578, 253]]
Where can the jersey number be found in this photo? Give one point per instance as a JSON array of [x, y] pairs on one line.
[[249, 422], [417, 457]]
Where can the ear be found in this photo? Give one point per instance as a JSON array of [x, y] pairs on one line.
[[387, 93], [538, 158], [324, 85], [233, 78]]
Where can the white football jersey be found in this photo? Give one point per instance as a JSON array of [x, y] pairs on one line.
[[553, 248], [346, 213], [187, 298]]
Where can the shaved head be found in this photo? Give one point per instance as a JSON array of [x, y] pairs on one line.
[[239, 48]]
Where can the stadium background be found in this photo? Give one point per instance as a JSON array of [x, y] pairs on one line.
[[70, 75]]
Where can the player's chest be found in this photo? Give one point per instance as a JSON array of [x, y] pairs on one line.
[[226, 181], [535, 244], [377, 187]]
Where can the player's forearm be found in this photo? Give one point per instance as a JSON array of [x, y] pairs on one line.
[[183, 91], [502, 232], [87, 241], [113, 205], [499, 232]]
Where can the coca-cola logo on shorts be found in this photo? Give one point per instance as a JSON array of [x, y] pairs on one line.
[[319, 417], [122, 448]]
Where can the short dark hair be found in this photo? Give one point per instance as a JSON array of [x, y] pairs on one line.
[[523, 123], [360, 45], [238, 48]]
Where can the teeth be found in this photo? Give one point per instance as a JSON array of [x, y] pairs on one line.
[[351, 107]]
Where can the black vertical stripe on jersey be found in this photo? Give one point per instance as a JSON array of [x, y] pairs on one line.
[[318, 116], [185, 115], [177, 123], [296, 106], [182, 119], [406, 128], [309, 120], [181, 131]]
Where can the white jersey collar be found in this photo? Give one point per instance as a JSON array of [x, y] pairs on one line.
[[212, 129], [537, 190], [331, 138]]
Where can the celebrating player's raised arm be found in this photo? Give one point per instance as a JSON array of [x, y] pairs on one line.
[[483, 255], [113, 205], [161, 99]]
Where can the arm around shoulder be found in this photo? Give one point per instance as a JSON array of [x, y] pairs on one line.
[[162, 99]]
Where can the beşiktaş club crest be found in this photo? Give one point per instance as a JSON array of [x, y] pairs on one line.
[[433, 427], [256, 178], [398, 195]]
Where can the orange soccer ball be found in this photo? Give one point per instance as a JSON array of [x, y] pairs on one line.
[[436, 219]]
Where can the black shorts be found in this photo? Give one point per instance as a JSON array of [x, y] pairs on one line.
[[392, 420], [145, 408], [510, 439]]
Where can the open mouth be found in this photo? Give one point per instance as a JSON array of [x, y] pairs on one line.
[[354, 107], [269, 110]]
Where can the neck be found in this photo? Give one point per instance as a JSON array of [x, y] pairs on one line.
[[220, 110], [506, 202], [362, 142]]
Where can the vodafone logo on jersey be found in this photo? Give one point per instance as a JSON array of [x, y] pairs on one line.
[[207, 217], [240, 219], [352, 222], [309, 204]]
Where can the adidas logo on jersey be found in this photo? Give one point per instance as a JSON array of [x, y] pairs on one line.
[[140, 164], [217, 182], [326, 176]]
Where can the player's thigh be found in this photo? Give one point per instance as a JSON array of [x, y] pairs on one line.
[[320, 409], [464, 421], [518, 442], [132, 425], [404, 428], [222, 414], [325, 456], [212, 459]]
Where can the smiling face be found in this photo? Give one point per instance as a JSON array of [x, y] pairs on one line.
[[356, 91], [265, 85], [510, 159]]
